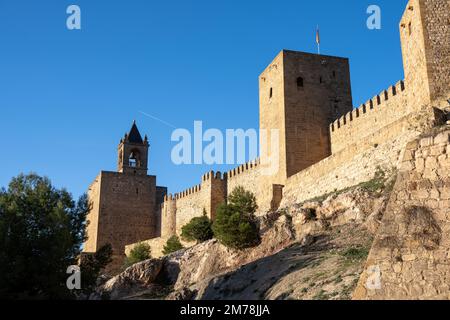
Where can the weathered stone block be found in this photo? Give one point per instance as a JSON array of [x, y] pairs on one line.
[[442, 138], [431, 163], [425, 142]]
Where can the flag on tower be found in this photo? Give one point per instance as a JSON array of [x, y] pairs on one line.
[[317, 36], [318, 39]]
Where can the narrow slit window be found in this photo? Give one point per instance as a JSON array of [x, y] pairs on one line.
[[300, 82], [271, 93]]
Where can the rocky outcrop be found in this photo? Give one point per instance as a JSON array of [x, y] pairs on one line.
[[137, 278]]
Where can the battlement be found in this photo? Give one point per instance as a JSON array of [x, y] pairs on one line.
[[244, 168], [383, 109], [372, 105], [187, 192], [214, 176]]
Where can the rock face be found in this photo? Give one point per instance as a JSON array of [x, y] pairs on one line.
[[139, 277], [302, 255]]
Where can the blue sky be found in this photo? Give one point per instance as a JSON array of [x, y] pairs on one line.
[[67, 97]]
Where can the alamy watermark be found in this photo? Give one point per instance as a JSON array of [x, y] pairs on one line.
[[374, 20], [214, 147], [74, 280], [373, 278], [73, 21]]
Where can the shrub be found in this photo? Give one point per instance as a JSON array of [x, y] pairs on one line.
[[356, 253], [140, 252], [198, 229], [172, 245], [377, 183], [235, 224]]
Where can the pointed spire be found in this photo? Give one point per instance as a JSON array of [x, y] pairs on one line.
[[134, 136]]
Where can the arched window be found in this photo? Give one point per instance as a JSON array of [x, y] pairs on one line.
[[300, 82], [134, 160]]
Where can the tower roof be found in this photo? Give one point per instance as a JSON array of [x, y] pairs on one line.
[[134, 136]]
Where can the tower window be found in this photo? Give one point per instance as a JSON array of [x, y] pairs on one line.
[[271, 93], [334, 74], [300, 82], [410, 28], [321, 80], [134, 160]]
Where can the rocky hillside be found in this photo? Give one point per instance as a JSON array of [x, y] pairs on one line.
[[313, 250]]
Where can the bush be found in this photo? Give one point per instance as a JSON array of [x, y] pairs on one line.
[[235, 224], [140, 252], [198, 229], [172, 245], [356, 253]]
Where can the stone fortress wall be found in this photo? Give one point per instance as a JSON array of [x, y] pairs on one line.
[[384, 109], [178, 209], [370, 136], [357, 162], [409, 258], [376, 133]]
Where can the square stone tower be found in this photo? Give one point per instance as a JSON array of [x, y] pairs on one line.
[[425, 38], [126, 205], [300, 95]]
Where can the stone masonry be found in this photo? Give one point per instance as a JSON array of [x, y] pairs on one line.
[[410, 255]]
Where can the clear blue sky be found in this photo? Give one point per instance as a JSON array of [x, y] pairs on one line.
[[67, 97]]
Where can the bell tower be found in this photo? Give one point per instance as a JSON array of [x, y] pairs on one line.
[[133, 153]]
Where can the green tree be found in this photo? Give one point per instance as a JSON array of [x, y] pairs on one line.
[[243, 201], [91, 266], [140, 252], [172, 245], [41, 232], [235, 224], [198, 229]]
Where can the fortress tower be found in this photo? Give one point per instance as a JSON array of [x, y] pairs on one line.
[[425, 39], [300, 95], [126, 205]]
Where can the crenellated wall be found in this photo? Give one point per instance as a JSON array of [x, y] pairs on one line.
[[378, 112], [246, 176], [179, 209], [358, 162]]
